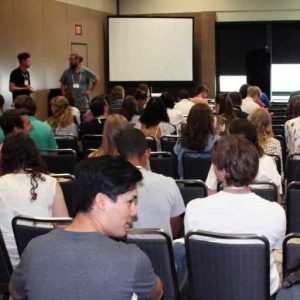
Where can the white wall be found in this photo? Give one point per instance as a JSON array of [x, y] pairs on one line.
[[227, 10], [108, 6]]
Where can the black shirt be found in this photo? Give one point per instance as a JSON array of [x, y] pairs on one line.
[[20, 79], [92, 127]]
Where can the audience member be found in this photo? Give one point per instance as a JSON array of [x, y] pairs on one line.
[[201, 94], [250, 103], [71, 96], [25, 189], [236, 99], [292, 130], [236, 210], [130, 110], [290, 108], [41, 132], [113, 126], [162, 210], [99, 109], [116, 98], [62, 119], [197, 135], [185, 103], [87, 260], [141, 97], [243, 90]]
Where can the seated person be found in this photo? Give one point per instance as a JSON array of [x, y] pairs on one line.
[[87, 260], [237, 210], [99, 109], [201, 94]]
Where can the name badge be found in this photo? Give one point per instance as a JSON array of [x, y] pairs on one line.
[[26, 82], [75, 85]]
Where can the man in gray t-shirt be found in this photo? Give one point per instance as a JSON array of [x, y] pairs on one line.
[[83, 261]]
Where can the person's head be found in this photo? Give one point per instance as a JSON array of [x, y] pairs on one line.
[[243, 90], [24, 60], [235, 160], [198, 127], [129, 107], [245, 128], [61, 112], [254, 92], [167, 99], [141, 97], [15, 120], [183, 94], [201, 90], [144, 87], [2, 101], [236, 98], [296, 108], [98, 106], [154, 113], [109, 193], [27, 103], [224, 106], [20, 154], [113, 126], [262, 121], [75, 60], [132, 145], [117, 92]]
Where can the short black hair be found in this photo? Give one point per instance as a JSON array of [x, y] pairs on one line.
[[131, 143], [167, 99], [23, 56], [10, 119], [26, 102], [97, 105], [110, 175]]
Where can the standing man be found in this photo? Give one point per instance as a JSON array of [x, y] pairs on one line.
[[19, 81], [80, 80]]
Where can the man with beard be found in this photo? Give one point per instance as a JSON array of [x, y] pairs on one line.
[[80, 80]]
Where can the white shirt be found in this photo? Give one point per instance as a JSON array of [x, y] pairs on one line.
[[249, 105], [267, 171], [175, 116], [159, 200], [240, 214], [292, 135], [184, 106]]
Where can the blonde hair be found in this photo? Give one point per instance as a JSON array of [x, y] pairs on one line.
[[262, 121], [253, 91], [113, 125], [62, 116]]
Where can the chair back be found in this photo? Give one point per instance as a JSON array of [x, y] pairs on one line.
[[291, 251], [196, 165], [163, 163], [278, 129], [60, 160], [168, 142], [293, 206], [67, 141], [293, 161], [27, 228], [91, 141], [5, 268], [266, 190], [151, 143], [279, 119], [219, 268], [158, 247]]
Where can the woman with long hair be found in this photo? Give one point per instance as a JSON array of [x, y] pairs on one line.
[[130, 109], [198, 134], [25, 187], [62, 120], [114, 124]]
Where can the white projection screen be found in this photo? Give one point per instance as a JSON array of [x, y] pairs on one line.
[[150, 49]]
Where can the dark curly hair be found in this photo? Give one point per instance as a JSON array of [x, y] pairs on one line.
[[19, 153], [198, 128]]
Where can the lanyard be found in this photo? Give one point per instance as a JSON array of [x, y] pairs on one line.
[[73, 77]]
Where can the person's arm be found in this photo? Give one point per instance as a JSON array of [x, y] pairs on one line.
[[175, 225], [59, 208], [13, 87], [13, 292], [158, 292], [92, 88]]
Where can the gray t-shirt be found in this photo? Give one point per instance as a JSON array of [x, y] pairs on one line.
[[72, 265]]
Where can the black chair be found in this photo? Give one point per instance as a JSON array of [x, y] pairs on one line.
[[163, 163], [91, 141], [291, 251], [282, 141], [278, 129], [5, 269], [195, 166], [26, 228], [279, 120], [66, 182], [267, 190], [191, 189], [158, 246], [292, 206], [293, 161], [67, 141], [168, 142], [60, 160], [222, 270], [151, 142]]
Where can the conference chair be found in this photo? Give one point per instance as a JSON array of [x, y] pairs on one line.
[[67, 141], [291, 251], [5, 269], [279, 120], [228, 267], [151, 142], [168, 142], [66, 182], [158, 247], [292, 206], [267, 190], [163, 163], [278, 129], [59, 160], [196, 165], [27, 228], [293, 161], [91, 141]]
